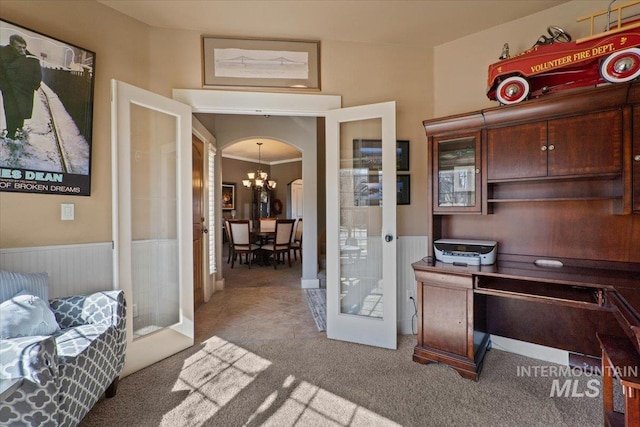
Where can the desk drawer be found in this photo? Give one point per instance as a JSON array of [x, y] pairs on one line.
[[444, 280], [550, 293]]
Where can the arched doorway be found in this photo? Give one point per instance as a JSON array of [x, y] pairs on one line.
[[299, 132]]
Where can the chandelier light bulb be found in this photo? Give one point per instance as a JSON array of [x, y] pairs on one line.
[[260, 177]]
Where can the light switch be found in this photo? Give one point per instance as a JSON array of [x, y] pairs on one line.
[[67, 211]]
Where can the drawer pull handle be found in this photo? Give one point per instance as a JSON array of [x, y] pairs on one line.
[[548, 263]]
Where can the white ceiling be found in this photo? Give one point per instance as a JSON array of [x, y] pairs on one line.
[[425, 23], [272, 151]]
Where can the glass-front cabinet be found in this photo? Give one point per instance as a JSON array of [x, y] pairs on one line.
[[456, 177]]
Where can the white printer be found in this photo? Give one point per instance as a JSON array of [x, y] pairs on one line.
[[466, 252]]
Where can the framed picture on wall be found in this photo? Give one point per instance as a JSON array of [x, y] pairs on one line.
[[402, 156], [47, 113], [228, 196], [246, 62], [403, 188], [367, 153]]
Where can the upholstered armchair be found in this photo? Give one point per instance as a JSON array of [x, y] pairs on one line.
[[61, 376]]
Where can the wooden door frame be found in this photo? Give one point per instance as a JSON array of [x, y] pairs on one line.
[[198, 144]]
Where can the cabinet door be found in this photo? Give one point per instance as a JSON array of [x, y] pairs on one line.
[[456, 174], [636, 160], [589, 144], [445, 317], [517, 152]]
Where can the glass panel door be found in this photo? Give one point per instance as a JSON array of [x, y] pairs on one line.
[[456, 161], [154, 230], [152, 222], [361, 202]]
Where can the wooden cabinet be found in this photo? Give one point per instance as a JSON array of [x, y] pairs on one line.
[[446, 323], [576, 146], [635, 162], [517, 152], [456, 173], [561, 176]]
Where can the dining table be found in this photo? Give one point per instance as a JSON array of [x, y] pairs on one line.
[[263, 237]]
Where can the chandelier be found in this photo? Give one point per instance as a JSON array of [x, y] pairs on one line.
[[259, 178]]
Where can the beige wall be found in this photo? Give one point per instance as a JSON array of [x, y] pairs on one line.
[[360, 73], [121, 46], [460, 72], [233, 172], [162, 59]]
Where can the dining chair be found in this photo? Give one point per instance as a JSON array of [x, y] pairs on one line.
[[267, 224], [296, 243], [227, 232], [241, 238], [282, 241]]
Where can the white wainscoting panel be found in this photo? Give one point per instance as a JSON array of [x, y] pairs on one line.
[[155, 290], [409, 250], [73, 269]]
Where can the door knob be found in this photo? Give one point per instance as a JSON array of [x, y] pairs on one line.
[[388, 238]]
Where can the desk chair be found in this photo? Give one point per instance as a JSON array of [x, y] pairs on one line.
[[241, 240], [282, 241]]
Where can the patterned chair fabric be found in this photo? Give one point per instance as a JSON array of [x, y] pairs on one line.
[[64, 375]]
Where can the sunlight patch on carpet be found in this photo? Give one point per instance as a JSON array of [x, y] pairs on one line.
[[212, 377], [308, 404]]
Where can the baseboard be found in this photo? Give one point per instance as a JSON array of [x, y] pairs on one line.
[[535, 351], [405, 327], [310, 283], [220, 285]]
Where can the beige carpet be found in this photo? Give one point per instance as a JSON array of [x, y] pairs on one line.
[[321, 382], [260, 360]]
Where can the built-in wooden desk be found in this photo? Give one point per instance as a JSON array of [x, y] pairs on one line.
[[562, 307], [558, 175]]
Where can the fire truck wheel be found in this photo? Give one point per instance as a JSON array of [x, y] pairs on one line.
[[622, 66], [512, 90]]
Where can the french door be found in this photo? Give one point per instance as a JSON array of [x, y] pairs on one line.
[[361, 224], [152, 222]]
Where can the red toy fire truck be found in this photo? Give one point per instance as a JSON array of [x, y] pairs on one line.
[[556, 63]]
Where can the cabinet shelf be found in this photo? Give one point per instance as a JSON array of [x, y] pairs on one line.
[[553, 199]]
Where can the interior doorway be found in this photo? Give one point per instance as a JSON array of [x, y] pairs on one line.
[[295, 199], [281, 163], [299, 132]]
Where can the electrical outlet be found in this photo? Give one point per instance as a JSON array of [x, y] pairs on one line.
[[135, 310]]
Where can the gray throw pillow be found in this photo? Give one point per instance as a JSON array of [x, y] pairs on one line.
[[25, 315], [35, 283]]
